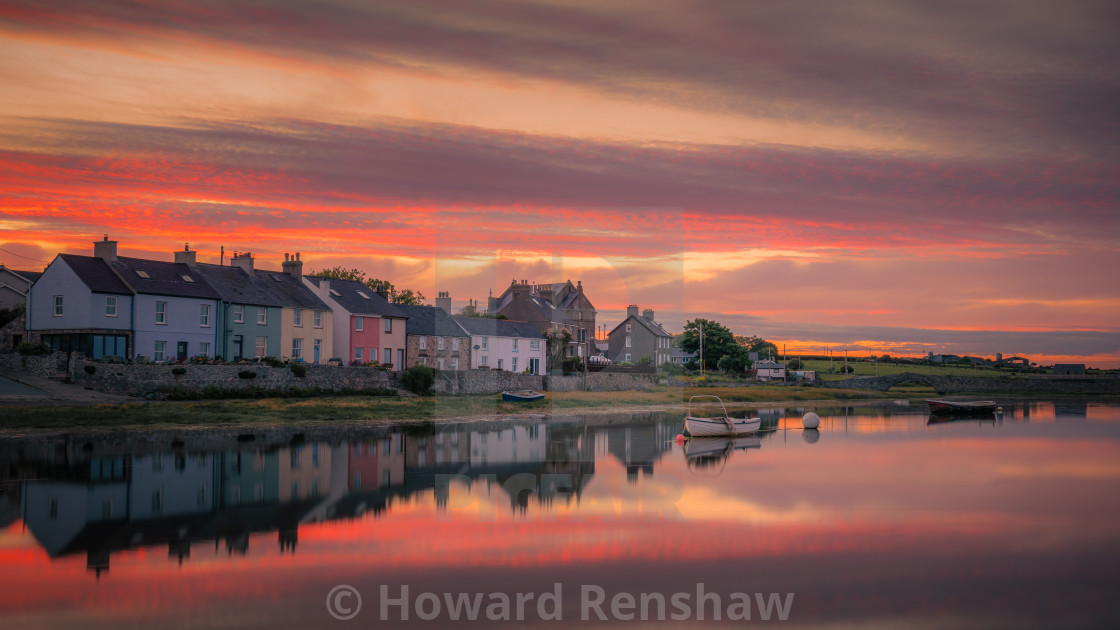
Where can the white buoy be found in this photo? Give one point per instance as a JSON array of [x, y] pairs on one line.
[[810, 436], [810, 420]]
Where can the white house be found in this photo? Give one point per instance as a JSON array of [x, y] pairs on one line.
[[505, 345]]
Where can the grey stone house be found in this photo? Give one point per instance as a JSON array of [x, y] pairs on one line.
[[435, 339], [639, 336]]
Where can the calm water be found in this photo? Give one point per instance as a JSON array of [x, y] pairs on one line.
[[880, 519]]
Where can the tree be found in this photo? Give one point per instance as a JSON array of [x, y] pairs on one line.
[[556, 342], [736, 361], [718, 340], [756, 344], [795, 364], [396, 296]]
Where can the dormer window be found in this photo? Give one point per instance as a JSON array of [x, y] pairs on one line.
[[186, 278], [364, 295], [335, 293], [143, 274]]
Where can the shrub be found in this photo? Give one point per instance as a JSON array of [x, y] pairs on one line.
[[573, 364], [419, 379], [247, 374], [299, 370], [201, 358], [90, 369], [272, 362], [33, 348], [645, 360], [179, 371]]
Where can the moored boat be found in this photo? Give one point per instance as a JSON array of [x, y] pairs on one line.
[[696, 426], [525, 395], [949, 407]]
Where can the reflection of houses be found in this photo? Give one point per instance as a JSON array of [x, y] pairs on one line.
[[107, 504], [305, 473], [640, 447], [376, 463]]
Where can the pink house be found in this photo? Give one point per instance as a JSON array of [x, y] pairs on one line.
[[366, 326]]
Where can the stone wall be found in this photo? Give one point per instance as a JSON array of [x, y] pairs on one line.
[[962, 384], [50, 366], [495, 381], [149, 380]]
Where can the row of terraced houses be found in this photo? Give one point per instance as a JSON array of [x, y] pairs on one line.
[[107, 305]]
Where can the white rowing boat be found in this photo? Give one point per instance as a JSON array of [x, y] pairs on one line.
[[695, 426]]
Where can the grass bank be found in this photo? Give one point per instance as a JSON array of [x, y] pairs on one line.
[[313, 411]]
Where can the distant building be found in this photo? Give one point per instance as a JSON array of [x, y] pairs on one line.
[[770, 370], [680, 357], [14, 285]]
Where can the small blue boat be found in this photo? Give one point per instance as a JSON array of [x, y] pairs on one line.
[[526, 395]]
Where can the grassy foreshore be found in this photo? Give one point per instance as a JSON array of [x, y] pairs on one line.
[[350, 410]]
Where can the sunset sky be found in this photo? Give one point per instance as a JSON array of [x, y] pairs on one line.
[[898, 177]]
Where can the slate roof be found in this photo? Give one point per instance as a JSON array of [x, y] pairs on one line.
[[164, 278], [96, 274], [649, 324], [432, 321], [290, 291], [498, 327], [30, 276], [349, 296], [237, 286]]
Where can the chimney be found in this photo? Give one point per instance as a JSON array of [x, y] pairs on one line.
[[632, 311], [187, 257], [105, 250], [243, 260], [648, 314], [382, 291], [491, 303], [293, 266], [444, 301], [545, 291], [520, 289]]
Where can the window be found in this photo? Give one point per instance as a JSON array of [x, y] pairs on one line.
[[143, 274], [262, 316], [186, 278], [455, 363], [484, 361], [204, 348], [388, 355], [161, 312], [297, 317], [58, 306], [513, 366], [535, 345], [627, 356], [388, 325], [499, 364], [627, 327], [204, 315], [439, 364], [110, 306], [318, 319], [335, 293], [364, 294], [515, 345], [439, 343], [239, 313], [359, 323], [157, 353], [297, 348], [485, 343], [358, 354], [454, 344], [423, 342], [262, 347]]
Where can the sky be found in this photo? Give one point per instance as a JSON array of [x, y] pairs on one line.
[[877, 177]]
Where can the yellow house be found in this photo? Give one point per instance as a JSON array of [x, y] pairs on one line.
[[306, 322]]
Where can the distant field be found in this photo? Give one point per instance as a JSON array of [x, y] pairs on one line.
[[863, 368]]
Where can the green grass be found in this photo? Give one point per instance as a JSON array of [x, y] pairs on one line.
[[863, 368], [357, 409]]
